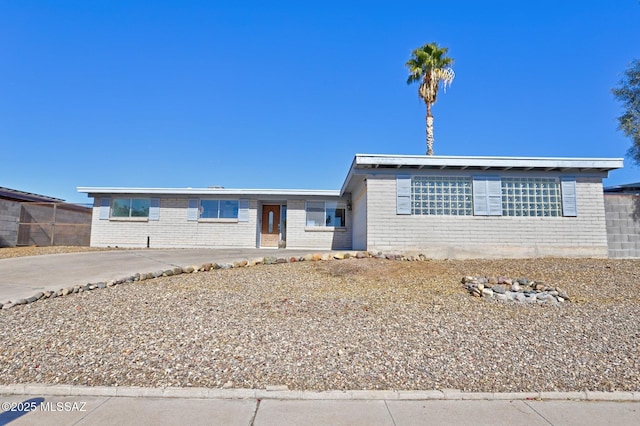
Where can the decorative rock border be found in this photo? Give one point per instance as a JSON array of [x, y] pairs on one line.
[[266, 260], [520, 290]]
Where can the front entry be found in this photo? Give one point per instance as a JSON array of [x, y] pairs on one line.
[[270, 235]]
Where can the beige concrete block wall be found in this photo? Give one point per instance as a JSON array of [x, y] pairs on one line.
[[299, 236], [486, 237], [173, 230], [9, 218], [623, 225]]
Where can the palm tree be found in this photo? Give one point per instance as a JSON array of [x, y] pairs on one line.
[[430, 66]]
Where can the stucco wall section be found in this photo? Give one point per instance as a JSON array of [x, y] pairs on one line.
[[299, 236], [623, 225], [487, 237], [173, 230]]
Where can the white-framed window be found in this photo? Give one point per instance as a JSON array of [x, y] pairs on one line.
[[130, 207], [209, 209], [326, 213], [218, 209], [441, 195], [531, 196]]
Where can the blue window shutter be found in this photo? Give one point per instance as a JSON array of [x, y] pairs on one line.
[[480, 205], [105, 206], [192, 209], [154, 209], [494, 196], [569, 198], [243, 211], [487, 196], [403, 194]]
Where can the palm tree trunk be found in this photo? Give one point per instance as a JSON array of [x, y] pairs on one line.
[[429, 120]]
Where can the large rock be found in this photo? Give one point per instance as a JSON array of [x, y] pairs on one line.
[[498, 289], [258, 261], [512, 290]]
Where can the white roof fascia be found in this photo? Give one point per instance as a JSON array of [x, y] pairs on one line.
[[488, 162], [370, 162], [209, 191], [349, 176]]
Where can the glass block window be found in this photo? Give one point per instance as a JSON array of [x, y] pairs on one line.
[[531, 197], [433, 195]]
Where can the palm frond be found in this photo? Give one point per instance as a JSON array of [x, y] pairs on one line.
[[424, 60]]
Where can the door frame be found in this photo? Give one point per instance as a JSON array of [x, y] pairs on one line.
[[283, 206]]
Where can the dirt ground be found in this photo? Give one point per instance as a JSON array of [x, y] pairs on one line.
[[9, 252]]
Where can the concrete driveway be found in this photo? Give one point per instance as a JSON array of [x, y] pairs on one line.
[[22, 277]]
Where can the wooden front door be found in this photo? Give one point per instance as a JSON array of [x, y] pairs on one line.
[[270, 226]]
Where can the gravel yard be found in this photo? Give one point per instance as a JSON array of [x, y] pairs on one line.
[[342, 324], [10, 252]]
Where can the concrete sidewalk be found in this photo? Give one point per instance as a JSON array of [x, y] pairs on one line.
[[22, 277], [109, 410]]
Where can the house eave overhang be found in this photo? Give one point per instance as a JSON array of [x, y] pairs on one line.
[[375, 163], [368, 161], [250, 193]]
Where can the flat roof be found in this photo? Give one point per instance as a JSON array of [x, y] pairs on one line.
[[627, 187], [486, 163], [473, 163], [363, 163], [210, 191], [14, 194]]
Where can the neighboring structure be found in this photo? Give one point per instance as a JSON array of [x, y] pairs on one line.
[[32, 219], [444, 207], [622, 207]]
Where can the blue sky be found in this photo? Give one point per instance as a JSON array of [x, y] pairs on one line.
[[282, 94]]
